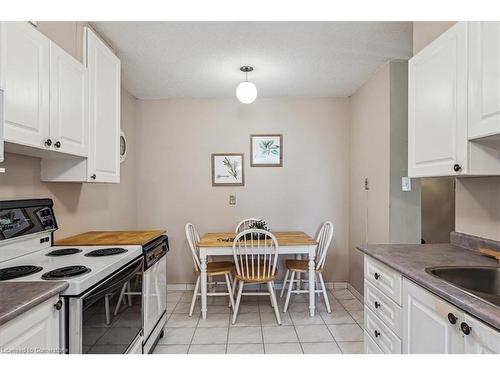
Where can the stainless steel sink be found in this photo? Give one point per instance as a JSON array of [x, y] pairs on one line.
[[481, 282]]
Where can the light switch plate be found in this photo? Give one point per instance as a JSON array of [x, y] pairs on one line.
[[405, 183], [232, 199]]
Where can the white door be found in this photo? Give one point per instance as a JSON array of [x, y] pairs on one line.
[[104, 86], [24, 75], [437, 106], [68, 103], [481, 338], [36, 331], [154, 295], [430, 325], [484, 79]]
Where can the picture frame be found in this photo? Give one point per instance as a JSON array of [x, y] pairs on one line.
[[228, 169], [266, 150]]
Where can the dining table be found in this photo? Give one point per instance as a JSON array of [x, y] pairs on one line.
[[289, 243]]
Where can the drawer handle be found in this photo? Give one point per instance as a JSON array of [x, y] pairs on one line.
[[377, 305], [452, 318], [466, 329], [376, 276], [58, 305], [377, 333]]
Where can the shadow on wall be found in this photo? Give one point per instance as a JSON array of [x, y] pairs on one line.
[[438, 209]]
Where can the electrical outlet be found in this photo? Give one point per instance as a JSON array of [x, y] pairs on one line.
[[232, 199], [367, 185], [405, 183]]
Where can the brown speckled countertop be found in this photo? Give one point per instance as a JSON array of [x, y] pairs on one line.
[[412, 260], [19, 297]]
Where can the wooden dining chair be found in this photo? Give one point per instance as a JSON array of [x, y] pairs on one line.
[[294, 267], [255, 253], [213, 269], [245, 224]]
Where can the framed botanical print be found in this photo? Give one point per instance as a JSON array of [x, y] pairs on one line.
[[227, 170], [266, 150]]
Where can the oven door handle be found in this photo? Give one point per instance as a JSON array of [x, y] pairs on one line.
[[113, 283]]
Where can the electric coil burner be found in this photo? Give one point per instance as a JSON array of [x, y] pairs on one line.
[[65, 272], [105, 252], [60, 252], [18, 271]]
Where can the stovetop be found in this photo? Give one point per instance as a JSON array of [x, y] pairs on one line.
[[78, 269]]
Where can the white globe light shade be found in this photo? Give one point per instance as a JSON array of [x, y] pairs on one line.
[[246, 92]]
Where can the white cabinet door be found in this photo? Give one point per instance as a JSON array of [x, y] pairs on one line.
[[484, 79], [36, 331], [428, 326], [437, 106], [104, 85], [482, 339], [68, 103], [24, 75]]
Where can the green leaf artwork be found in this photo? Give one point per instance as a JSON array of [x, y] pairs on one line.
[[232, 167], [268, 147]]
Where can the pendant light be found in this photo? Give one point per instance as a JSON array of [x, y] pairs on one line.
[[246, 92]]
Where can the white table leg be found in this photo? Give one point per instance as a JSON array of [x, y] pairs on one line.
[[203, 261], [312, 284]]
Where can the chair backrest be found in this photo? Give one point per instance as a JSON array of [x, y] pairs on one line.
[[245, 224], [323, 238], [255, 253], [193, 238]]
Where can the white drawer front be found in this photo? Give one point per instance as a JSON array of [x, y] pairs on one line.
[[385, 308], [385, 279], [383, 336], [370, 346]]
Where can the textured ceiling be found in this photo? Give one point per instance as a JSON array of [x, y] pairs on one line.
[[202, 59]]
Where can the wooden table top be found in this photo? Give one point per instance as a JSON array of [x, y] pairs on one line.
[[104, 238], [225, 239]]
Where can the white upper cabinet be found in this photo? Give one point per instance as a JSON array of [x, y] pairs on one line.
[[24, 75], [484, 79], [454, 97], [104, 85], [437, 108], [68, 103]]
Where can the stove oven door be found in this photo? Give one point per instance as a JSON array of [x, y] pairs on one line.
[[155, 295], [108, 318]]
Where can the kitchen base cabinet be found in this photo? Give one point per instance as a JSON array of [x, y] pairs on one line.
[[37, 331], [482, 339]]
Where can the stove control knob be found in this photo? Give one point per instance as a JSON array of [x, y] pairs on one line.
[[58, 305]]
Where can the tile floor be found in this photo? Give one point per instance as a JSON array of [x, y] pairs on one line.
[[256, 330]]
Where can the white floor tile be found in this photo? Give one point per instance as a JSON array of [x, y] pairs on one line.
[[346, 332], [182, 308], [284, 348], [245, 335], [321, 348], [352, 305], [210, 336], [171, 349], [177, 336], [337, 317], [304, 318], [359, 316], [245, 349], [215, 320], [269, 319], [247, 319], [281, 334], [343, 294], [207, 349], [355, 347], [182, 320], [314, 333]]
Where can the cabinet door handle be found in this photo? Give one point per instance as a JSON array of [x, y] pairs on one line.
[[376, 276], [466, 329], [58, 305], [457, 168], [377, 333], [93, 177], [57, 144], [377, 305], [452, 318], [48, 142]]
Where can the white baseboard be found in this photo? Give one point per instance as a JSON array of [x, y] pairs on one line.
[[355, 292]]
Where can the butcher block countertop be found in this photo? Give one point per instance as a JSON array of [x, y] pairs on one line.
[[105, 238]]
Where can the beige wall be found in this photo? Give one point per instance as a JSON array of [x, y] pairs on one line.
[[477, 200], [79, 207], [177, 137]]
